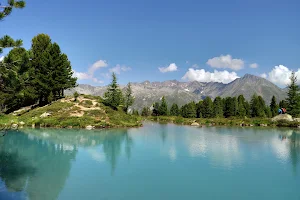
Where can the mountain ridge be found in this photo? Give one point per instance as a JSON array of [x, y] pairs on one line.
[[146, 92]]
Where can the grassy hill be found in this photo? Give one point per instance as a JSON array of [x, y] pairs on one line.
[[67, 113]]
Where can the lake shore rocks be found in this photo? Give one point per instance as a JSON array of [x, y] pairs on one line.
[[285, 117], [195, 124]]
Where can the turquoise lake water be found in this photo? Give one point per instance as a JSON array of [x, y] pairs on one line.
[[152, 162]]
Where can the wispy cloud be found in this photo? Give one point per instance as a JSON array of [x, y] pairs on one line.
[[253, 65], [226, 61], [119, 68], [171, 68], [89, 75], [1, 58]]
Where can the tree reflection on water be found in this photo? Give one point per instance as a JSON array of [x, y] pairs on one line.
[[37, 161]]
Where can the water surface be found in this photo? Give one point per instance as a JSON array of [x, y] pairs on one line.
[[152, 162]]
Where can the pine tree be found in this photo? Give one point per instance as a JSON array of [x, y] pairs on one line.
[[113, 96], [198, 109], [293, 97], [189, 110], [229, 107], [5, 10], [273, 107], [283, 104], [163, 108], [174, 111], [257, 106], [40, 67], [128, 98], [218, 107], [207, 108], [241, 112]]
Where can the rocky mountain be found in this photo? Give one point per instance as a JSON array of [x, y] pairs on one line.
[[146, 93]]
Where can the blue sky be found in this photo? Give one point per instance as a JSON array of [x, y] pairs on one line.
[[188, 40]]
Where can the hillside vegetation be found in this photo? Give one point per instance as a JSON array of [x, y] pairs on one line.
[[67, 113]]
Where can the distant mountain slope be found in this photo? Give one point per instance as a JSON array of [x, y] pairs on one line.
[[181, 93]]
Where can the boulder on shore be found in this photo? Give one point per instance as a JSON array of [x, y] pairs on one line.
[[45, 114], [195, 124], [285, 117], [90, 127]]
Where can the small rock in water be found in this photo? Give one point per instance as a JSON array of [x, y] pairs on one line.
[[90, 127]]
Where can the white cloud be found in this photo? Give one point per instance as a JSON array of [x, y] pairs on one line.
[[97, 65], [204, 76], [1, 58], [226, 61], [118, 68], [89, 75], [280, 75], [171, 68], [264, 75], [253, 65]]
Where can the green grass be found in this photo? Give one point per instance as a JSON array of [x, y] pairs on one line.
[[223, 121], [101, 117], [86, 103]]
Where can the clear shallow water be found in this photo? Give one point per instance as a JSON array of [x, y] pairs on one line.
[[153, 162]]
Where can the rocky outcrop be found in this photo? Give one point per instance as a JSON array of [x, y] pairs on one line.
[[285, 117]]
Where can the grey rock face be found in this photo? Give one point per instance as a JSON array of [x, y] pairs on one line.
[[146, 93]]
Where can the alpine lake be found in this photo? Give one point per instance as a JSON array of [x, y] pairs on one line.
[[156, 161]]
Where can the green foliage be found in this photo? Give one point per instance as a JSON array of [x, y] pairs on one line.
[[189, 110], [163, 108], [174, 111], [86, 103], [113, 96], [146, 112], [6, 10], [229, 107], [283, 104], [128, 97], [76, 95], [207, 108], [293, 97], [218, 107], [38, 75], [257, 106], [273, 107], [241, 111]]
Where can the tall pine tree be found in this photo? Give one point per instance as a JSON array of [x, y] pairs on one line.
[[174, 111], [274, 106], [113, 96], [293, 97], [218, 107], [128, 97], [163, 108]]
